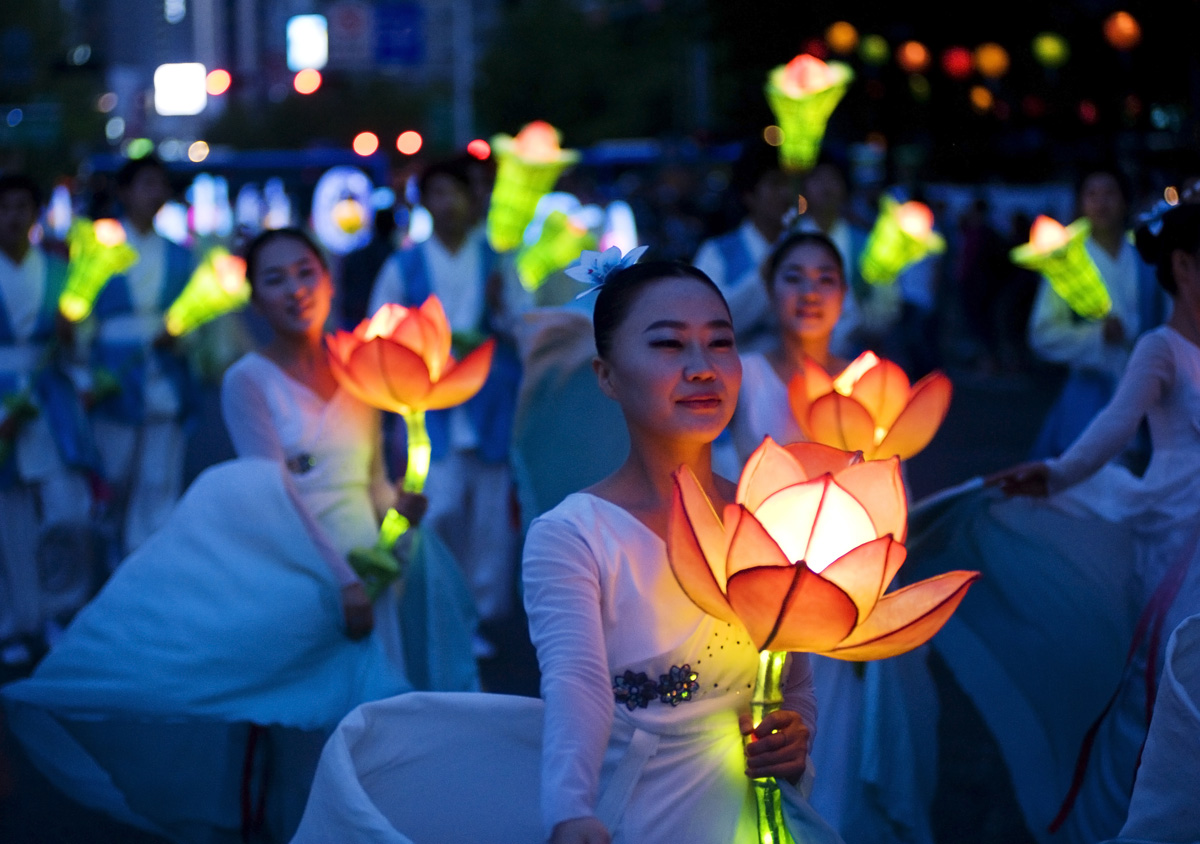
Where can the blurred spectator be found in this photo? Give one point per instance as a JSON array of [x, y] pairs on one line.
[[361, 267], [979, 276]]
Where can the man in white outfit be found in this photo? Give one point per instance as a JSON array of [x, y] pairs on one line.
[[45, 500], [470, 486]]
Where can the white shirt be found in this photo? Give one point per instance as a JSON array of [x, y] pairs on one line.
[[22, 287], [454, 277], [1056, 334], [147, 276]]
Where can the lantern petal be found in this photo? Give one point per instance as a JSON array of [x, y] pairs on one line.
[[462, 380], [883, 390], [816, 522], [769, 469], [417, 335], [791, 608], [818, 459], [704, 521], [750, 545], [864, 572], [390, 374], [879, 487], [906, 618], [817, 382], [435, 315], [701, 578], [918, 422], [842, 423]]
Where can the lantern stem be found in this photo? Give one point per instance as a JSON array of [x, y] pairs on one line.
[[768, 697], [419, 451]]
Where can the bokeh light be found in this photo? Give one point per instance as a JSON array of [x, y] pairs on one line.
[[1051, 50], [992, 60], [981, 99], [409, 142], [479, 148], [842, 37], [957, 62], [366, 143], [919, 85], [307, 81], [217, 82], [874, 49], [1088, 112], [1122, 30], [106, 102], [198, 151], [913, 57], [773, 135]]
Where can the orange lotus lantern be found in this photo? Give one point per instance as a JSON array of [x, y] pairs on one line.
[[802, 560], [870, 407], [399, 360], [803, 94], [98, 251], [527, 167], [1060, 254]]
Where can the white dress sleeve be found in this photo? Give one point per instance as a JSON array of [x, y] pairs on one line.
[[562, 598], [1147, 379], [252, 430], [799, 695], [1057, 335]]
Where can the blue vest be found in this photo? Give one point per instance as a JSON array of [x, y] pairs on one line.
[[490, 411], [53, 390], [127, 359]]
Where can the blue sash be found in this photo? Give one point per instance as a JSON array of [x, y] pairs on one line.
[[127, 360], [490, 411]]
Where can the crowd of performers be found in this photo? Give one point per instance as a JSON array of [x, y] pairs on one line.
[[192, 696]]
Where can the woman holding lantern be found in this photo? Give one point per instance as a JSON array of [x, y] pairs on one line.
[[877, 763], [238, 636], [1086, 573]]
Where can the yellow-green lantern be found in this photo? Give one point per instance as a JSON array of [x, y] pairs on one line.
[[560, 243], [902, 235], [803, 94], [1060, 254], [98, 251], [217, 287], [527, 167]]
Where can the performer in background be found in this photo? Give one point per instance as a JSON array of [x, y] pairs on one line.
[[46, 543]]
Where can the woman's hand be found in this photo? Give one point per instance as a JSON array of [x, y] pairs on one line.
[[412, 506], [1025, 479], [780, 745], [356, 610], [580, 831]]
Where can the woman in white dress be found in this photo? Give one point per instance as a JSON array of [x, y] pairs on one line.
[[238, 636], [1071, 565], [875, 752]]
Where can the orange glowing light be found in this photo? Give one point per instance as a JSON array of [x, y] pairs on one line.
[[913, 57], [109, 232], [803, 557], [992, 60], [981, 99], [537, 141], [915, 218], [410, 142], [804, 75], [366, 143], [307, 81], [399, 360], [217, 82], [842, 37], [1122, 30], [479, 148], [1047, 234], [870, 407]]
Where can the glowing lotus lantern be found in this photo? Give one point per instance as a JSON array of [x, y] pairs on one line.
[[399, 361], [527, 167], [803, 94], [802, 561], [1060, 254], [217, 287], [870, 407], [98, 251], [902, 235], [560, 244]]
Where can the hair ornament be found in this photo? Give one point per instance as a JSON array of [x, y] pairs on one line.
[[1153, 219], [594, 268]]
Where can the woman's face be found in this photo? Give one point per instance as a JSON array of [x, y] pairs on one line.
[[807, 290], [291, 288], [673, 365]]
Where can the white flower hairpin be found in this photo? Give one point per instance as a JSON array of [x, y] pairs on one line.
[[594, 268]]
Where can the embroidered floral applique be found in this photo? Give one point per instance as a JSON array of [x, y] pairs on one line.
[[634, 690], [677, 686]]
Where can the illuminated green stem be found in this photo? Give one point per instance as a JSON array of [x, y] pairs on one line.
[[419, 451], [768, 697]]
